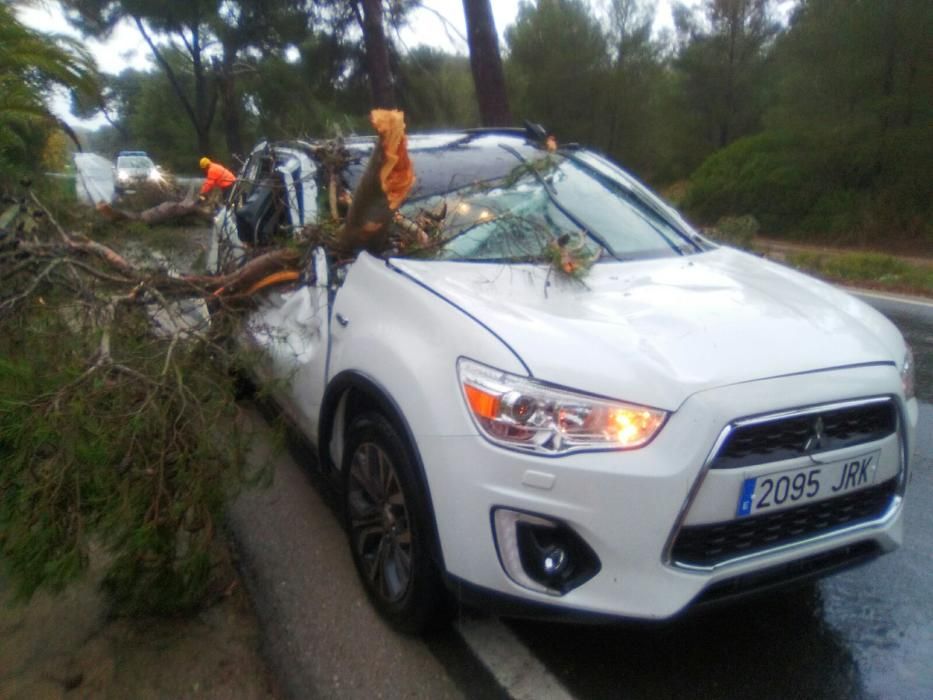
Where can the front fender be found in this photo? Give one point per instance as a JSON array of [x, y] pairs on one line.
[[408, 340]]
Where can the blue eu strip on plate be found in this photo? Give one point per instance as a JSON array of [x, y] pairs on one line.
[[747, 498]]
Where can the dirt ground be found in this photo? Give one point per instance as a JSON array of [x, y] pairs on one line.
[[67, 646]]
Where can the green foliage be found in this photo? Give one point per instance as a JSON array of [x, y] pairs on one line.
[[156, 127], [722, 67], [127, 458], [558, 60], [847, 142], [202, 47], [436, 90], [758, 175], [305, 99], [873, 268], [112, 435], [31, 65], [736, 230], [635, 90]]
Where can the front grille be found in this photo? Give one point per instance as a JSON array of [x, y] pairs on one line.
[[708, 545], [786, 438]]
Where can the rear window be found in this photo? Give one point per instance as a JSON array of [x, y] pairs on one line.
[[452, 166]]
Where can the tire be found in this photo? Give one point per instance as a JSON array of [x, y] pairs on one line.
[[389, 527]]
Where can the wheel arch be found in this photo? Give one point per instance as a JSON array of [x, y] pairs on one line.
[[352, 393]]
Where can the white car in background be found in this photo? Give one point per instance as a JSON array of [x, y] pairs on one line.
[[133, 168], [685, 424]]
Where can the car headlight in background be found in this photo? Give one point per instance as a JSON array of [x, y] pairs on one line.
[[522, 413], [907, 375], [123, 175], [155, 175]]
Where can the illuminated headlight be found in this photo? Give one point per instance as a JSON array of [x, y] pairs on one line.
[[522, 413], [123, 175], [155, 175], [907, 375]]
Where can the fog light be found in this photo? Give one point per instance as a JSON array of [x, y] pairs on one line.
[[554, 561], [542, 554]]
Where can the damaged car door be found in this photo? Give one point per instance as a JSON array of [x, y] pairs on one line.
[[291, 329]]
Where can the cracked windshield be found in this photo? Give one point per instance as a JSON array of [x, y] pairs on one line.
[[555, 199]]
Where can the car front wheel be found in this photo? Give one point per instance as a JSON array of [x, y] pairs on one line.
[[389, 527]]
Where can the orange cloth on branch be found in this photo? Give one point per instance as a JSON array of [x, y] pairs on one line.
[[217, 176]]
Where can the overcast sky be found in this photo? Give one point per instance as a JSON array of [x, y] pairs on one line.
[[126, 49]]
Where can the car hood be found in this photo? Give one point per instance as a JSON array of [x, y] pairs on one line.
[[656, 331]]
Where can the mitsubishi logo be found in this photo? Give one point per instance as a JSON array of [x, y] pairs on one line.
[[815, 441]]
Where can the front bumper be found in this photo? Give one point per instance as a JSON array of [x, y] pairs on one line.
[[628, 506]]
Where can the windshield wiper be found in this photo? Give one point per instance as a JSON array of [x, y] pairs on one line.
[[552, 196]]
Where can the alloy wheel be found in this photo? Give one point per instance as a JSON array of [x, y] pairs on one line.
[[380, 529]]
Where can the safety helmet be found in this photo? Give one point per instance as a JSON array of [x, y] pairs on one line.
[[204, 162]]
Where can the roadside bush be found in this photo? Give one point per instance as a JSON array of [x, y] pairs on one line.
[[845, 186], [758, 175], [836, 211], [736, 230]]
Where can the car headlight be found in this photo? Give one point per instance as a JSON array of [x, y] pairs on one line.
[[907, 375], [155, 175], [522, 413]]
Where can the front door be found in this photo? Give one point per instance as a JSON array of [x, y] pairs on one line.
[[291, 329]]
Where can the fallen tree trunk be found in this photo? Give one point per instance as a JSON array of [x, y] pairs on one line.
[[166, 211], [174, 210], [258, 273]]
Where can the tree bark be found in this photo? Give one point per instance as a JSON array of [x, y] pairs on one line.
[[486, 63], [231, 103], [199, 116], [203, 103], [377, 55]]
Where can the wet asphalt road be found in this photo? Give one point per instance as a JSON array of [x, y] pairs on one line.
[[864, 633]]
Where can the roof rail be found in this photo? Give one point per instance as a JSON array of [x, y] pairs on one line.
[[532, 131], [496, 130]]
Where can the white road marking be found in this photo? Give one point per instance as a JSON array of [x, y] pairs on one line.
[[512, 664], [889, 297]]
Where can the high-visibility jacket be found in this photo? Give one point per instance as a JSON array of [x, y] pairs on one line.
[[217, 176]]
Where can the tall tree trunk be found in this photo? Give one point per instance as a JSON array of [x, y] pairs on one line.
[[201, 114], [486, 63], [203, 103], [377, 55], [231, 103]]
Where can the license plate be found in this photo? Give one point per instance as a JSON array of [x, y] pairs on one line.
[[802, 485]]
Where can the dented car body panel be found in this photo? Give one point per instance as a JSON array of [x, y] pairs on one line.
[[682, 325]]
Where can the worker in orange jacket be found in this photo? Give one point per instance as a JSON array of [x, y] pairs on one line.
[[217, 176]]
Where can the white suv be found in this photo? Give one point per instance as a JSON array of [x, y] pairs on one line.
[[685, 423]]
